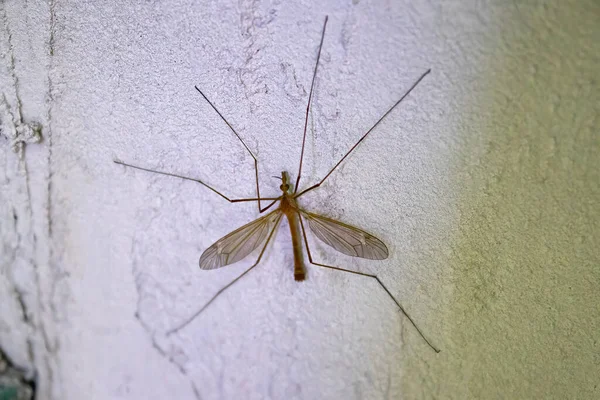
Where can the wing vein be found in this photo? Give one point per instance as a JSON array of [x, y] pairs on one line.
[[345, 238], [236, 245]]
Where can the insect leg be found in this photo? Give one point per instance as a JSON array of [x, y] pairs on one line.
[[312, 85], [364, 136], [202, 183], [370, 276], [190, 319], [260, 209]]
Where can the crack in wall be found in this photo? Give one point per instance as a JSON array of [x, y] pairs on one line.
[[51, 347], [41, 344], [31, 316], [49, 102], [251, 21], [12, 126], [196, 392], [15, 288], [137, 277], [294, 89], [15, 130]]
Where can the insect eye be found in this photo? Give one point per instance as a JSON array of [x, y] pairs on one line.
[[285, 187]]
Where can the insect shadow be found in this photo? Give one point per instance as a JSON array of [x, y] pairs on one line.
[[342, 237]]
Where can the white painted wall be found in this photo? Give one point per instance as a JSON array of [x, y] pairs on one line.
[[484, 184]]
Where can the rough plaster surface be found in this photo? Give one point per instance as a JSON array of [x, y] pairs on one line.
[[484, 184]]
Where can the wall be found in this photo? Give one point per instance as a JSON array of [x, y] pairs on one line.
[[484, 184]]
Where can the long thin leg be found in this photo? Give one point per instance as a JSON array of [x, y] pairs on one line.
[[312, 85], [364, 136], [370, 276], [190, 319], [260, 209], [274, 199]]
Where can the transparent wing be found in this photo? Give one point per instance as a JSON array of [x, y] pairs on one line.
[[345, 238], [239, 243]]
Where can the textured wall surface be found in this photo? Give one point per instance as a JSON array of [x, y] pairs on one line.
[[484, 184]]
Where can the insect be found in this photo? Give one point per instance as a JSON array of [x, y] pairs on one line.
[[342, 237]]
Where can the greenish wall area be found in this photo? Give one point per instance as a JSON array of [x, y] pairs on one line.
[[523, 320]]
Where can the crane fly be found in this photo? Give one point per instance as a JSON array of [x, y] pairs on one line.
[[344, 238]]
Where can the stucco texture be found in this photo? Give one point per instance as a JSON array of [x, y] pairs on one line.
[[484, 184]]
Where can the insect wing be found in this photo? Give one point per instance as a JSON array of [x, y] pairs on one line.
[[345, 238], [239, 243]]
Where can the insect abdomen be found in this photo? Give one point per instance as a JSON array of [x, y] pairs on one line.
[[299, 273]]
